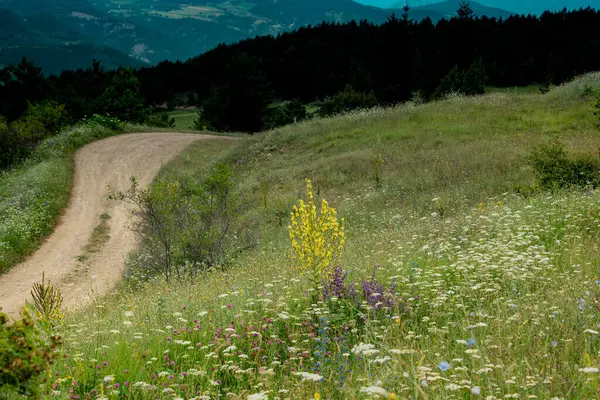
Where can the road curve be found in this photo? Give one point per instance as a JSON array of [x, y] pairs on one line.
[[63, 257]]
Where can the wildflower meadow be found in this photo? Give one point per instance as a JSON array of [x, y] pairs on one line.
[[443, 274]]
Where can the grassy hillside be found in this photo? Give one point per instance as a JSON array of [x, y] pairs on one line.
[[464, 288]]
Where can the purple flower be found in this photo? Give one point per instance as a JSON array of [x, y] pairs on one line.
[[335, 286], [444, 366], [377, 295]]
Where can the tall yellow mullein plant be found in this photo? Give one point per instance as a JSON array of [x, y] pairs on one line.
[[317, 238]]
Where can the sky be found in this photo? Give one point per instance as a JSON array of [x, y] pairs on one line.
[[518, 6]]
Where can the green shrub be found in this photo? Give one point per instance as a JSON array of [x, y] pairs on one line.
[[122, 98], [161, 121], [19, 139], [469, 82], [346, 100], [25, 354], [51, 116], [185, 222], [555, 168], [10, 151], [545, 88], [289, 113], [111, 123], [200, 123]]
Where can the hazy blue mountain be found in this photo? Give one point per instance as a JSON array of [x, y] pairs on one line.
[[517, 6], [447, 9], [44, 39]]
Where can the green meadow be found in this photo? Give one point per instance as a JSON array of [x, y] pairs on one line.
[[459, 278]]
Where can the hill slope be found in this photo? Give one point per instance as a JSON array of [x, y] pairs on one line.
[[45, 39], [462, 288]]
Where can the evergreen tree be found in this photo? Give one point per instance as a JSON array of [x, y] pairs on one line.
[[19, 85], [405, 18], [292, 112], [468, 82], [474, 79], [346, 100], [241, 103], [465, 11], [452, 82], [122, 98]]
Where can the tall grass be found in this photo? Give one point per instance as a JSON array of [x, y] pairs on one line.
[[495, 292]]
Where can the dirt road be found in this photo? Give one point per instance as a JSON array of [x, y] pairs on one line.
[[84, 263]]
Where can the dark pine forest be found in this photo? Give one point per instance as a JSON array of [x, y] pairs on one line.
[[393, 60]]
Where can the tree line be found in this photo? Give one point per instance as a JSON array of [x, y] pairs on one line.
[[386, 63]]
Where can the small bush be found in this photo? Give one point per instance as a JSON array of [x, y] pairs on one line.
[[51, 116], [19, 139], [185, 222], [555, 168], [468, 82], [289, 113], [25, 354], [346, 100], [545, 88], [105, 121]]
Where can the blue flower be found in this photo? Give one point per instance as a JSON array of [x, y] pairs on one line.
[[471, 342], [444, 366], [554, 343]]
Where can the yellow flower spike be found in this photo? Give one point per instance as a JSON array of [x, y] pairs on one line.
[[317, 237], [393, 396], [317, 396]]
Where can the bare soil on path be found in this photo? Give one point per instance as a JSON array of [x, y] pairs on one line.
[[83, 261]]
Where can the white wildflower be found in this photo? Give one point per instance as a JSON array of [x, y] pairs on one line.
[[307, 376], [374, 391], [259, 396]]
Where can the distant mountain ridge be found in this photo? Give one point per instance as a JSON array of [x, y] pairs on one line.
[[448, 8], [65, 34], [536, 7]]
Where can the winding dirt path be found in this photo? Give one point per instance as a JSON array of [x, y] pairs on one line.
[[84, 263]]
